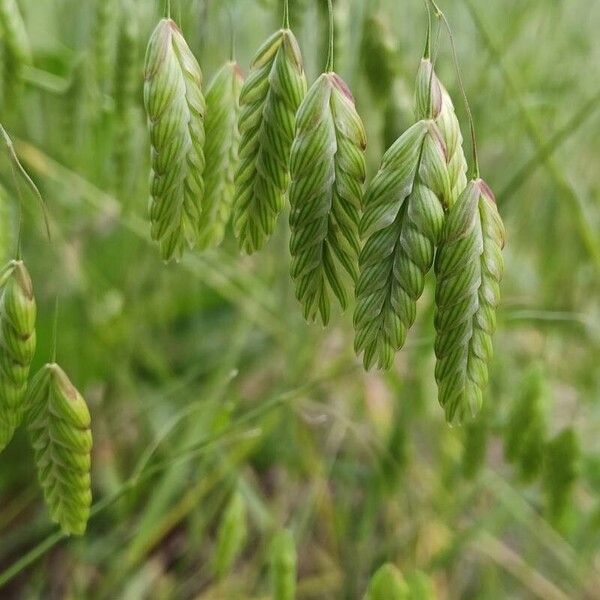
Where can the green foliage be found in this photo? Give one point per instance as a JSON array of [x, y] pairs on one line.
[[59, 428], [176, 109], [328, 170], [269, 100], [17, 344], [283, 566], [468, 268]]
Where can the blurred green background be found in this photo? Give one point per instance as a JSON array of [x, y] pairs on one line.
[[203, 380]]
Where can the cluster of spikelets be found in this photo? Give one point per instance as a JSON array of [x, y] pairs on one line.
[[247, 148], [55, 413]]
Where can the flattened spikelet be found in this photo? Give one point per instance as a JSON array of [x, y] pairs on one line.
[[269, 100], [468, 268], [402, 221], [387, 584], [175, 107], [17, 345], [222, 142], [283, 566], [328, 169], [59, 429], [433, 101]]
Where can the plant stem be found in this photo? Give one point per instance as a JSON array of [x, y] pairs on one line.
[[286, 14], [440, 15], [427, 51], [55, 330], [329, 66]]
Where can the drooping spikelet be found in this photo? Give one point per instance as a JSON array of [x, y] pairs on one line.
[[269, 100], [328, 170], [176, 108], [283, 566], [432, 101], [17, 344], [388, 584], [222, 141], [468, 269], [402, 221], [59, 429]]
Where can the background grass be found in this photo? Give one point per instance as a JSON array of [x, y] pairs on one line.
[[203, 379]]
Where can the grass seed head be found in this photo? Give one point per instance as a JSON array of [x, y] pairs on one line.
[[17, 344], [269, 100], [59, 429], [469, 267], [222, 144], [328, 171], [176, 109]]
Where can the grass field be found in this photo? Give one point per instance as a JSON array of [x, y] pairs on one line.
[[205, 383]]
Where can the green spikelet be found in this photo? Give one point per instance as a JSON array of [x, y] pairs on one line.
[[328, 169], [561, 470], [468, 268], [283, 566], [59, 429], [433, 101], [125, 94], [387, 584], [231, 536], [526, 428], [379, 57], [17, 345], [175, 107], [269, 100], [222, 141], [402, 221]]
